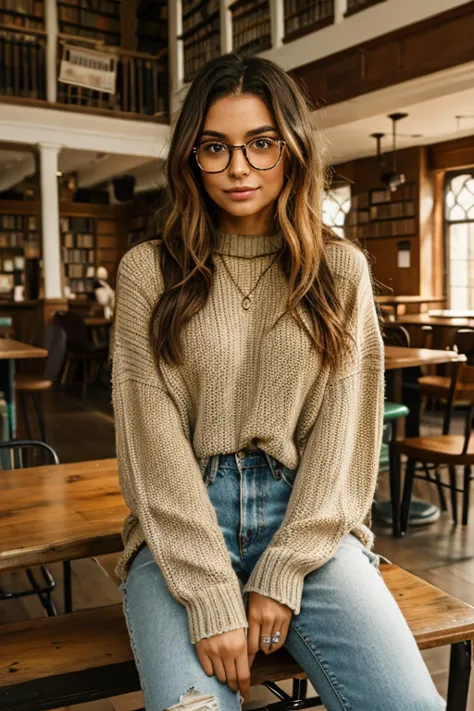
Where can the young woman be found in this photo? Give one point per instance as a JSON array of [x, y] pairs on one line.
[[248, 389]]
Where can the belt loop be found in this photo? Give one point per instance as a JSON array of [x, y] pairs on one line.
[[269, 458], [214, 467]]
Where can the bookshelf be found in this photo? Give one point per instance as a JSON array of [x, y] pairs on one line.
[[19, 241], [200, 35], [28, 14], [305, 16], [97, 20], [78, 239], [381, 213], [152, 26], [251, 27]]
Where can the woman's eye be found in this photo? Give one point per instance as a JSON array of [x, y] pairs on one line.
[[214, 147], [262, 143]]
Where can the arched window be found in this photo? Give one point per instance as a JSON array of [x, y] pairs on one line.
[[459, 211], [336, 205]]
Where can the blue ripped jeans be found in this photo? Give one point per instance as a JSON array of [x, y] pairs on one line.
[[350, 636]]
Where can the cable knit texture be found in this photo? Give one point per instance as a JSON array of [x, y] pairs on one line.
[[243, 385]]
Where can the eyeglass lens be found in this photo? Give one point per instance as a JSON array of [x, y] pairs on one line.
[[261, 153]]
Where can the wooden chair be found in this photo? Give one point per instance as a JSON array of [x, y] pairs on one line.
[[437, 386], [86, 656], [30, 385], [435, 450], [17, 454], [79, 346]]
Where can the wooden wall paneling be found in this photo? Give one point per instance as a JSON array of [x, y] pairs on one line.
[[385, 267], [452, 155], [426, 200]]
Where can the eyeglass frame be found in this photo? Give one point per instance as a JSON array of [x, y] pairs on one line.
[[243, 146]]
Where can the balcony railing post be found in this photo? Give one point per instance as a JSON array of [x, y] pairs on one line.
[[50, 220], [226, 26], [340, 8], [277, 19], [51, 26]]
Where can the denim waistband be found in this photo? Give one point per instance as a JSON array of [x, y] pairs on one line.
[[251, 458]]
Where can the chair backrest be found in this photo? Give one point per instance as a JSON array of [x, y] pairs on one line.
[[55, 342], [76, 331], [20, 453], [394, 334]]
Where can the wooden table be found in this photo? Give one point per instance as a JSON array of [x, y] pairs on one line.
[[451, 313], [60, 512], [400, 300], [398, 357], [97, 321], [428, 320], [10, 351]]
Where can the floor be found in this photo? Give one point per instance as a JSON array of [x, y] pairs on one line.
[[440, 553]]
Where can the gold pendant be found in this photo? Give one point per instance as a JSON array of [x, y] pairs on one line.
[[246, 303]]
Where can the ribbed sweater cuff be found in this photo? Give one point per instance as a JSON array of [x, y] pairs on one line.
[[215, 610], [280, 575]]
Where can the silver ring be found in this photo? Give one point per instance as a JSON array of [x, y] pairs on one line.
[[266, 639]]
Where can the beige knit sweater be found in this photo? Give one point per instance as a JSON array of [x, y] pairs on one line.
[[243, 385]]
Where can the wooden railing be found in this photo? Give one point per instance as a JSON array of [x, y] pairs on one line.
[[22, 62], [141, 86], [354, 6]]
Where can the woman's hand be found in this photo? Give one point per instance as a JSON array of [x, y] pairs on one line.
[[225, 655], [266, 616]]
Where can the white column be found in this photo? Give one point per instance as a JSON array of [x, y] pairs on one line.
[[277, 19], [51, 26], [340, 7], [175, 55], [226, 27], [50, 220]]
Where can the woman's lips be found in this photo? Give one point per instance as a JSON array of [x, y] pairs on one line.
[[241, 194]]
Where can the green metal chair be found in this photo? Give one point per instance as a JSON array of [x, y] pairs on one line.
[[388, 460]]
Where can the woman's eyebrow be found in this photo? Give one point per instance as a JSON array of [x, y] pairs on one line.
[[253, 132]]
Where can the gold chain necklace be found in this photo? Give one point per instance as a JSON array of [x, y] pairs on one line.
[[246, 301]]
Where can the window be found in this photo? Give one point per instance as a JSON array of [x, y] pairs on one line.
[[336, 205], [459, 211]]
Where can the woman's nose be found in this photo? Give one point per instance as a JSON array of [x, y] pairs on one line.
[[238, 164]]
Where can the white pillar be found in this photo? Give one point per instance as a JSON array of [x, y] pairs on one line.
[[226, 27], [277, 19], [340, 7], [175, 55], [51, 26], [50, 220]]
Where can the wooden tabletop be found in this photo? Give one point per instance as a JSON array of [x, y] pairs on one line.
[[399, 357], [60, 512], [451, 313], [427, 320], [394, 299], [15, 349], [97, 321]]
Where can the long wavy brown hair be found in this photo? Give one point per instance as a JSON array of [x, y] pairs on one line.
[[189, 234]]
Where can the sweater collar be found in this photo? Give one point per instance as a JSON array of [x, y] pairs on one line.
[[236, 245]]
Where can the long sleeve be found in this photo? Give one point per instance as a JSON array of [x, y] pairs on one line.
[[159, 474], [337, 475]]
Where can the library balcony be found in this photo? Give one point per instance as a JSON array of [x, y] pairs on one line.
[[95, 59]]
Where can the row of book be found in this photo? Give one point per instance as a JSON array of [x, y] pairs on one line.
[[392, 210], [80, 271], [87, 19], [252, 40], [12, 222], [81, 241], [203, 13], [81, 286], [302, 14], [78, 256], [109, 6], [11, 239], [22, 65], [77, 224], [12, 264], [404, 192], [386, 228], [203, 45]]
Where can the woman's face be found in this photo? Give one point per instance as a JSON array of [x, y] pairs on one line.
[[236, 120]]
